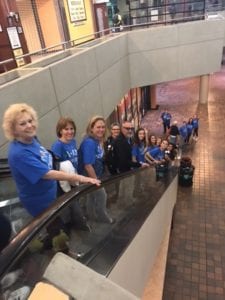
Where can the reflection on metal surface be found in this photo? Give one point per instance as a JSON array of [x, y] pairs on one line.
[[7, 202]]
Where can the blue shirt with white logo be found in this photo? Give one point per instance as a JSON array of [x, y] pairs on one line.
[[28, 164], [66, 151]]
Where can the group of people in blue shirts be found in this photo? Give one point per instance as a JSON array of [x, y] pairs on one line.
[[32, 168], [187, 131]]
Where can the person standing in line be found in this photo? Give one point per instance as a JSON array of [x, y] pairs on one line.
[[140, 146], [117, 20], [174, 133], [157, 156], [30, 163], [123, 152], [110, 159], [195, 123], [123, 148], [158, 141], [138, 155], [151, 142], [189, 130], [65, 148], [183, 133], [109, 148], [166, 118], [65, 151], [90, 162]]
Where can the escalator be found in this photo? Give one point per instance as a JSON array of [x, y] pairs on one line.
[[131, 198], [9, 201]]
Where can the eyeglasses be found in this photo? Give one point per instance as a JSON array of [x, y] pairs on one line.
[[128, 128], [115, 129]]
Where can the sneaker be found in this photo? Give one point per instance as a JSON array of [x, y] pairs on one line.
[[60, 242], [20, 294], [10, 278], [17, 225], [75, 255], [106, 219], [36, 246], [83, 227]]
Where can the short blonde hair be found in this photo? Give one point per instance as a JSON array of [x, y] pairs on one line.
[[10, 115], [92, 123]]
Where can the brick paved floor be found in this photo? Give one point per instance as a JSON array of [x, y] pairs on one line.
[[196, 258]]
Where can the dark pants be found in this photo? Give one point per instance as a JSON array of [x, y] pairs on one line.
[[166, 126], [195, 132]]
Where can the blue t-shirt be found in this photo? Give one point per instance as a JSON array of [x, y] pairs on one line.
[[91, 153], [183, 131], [157, 153], [138, 151], [66, 151], [189, 129], [166, 117], [28, 164], [195, 122]]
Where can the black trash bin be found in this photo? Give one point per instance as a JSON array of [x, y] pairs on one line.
[[161, 170], [186, 172]]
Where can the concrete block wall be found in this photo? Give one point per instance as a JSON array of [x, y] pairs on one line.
[[161, 54], [92, 80], [81, 85], [82, 283], [139, 257]]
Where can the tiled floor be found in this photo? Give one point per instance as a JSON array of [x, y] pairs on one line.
[[196, 257]]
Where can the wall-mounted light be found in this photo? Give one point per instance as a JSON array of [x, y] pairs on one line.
[[12, 17]]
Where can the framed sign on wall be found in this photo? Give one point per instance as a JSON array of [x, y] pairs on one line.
[[13, 37], [77, 10]]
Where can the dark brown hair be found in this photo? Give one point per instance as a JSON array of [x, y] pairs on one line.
[[62, 123]]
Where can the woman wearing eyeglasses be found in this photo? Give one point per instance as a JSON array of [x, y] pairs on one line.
[[109, 148]]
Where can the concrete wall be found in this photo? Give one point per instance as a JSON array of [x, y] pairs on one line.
[[92, 80], [138, 259], [175, 52]]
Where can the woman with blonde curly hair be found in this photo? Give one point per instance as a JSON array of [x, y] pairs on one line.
[[30, 162], [91, 164]]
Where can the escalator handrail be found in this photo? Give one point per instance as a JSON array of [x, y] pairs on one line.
[[19, 243]]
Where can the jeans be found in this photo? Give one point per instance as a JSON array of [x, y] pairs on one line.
[[96, 206]]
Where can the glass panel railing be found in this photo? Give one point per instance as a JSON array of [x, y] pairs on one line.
[[114, 212]]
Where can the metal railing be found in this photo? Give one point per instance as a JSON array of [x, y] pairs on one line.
[[106, 33]]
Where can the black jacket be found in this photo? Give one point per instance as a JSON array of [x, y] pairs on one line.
[[123, 154], [110, 159]]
